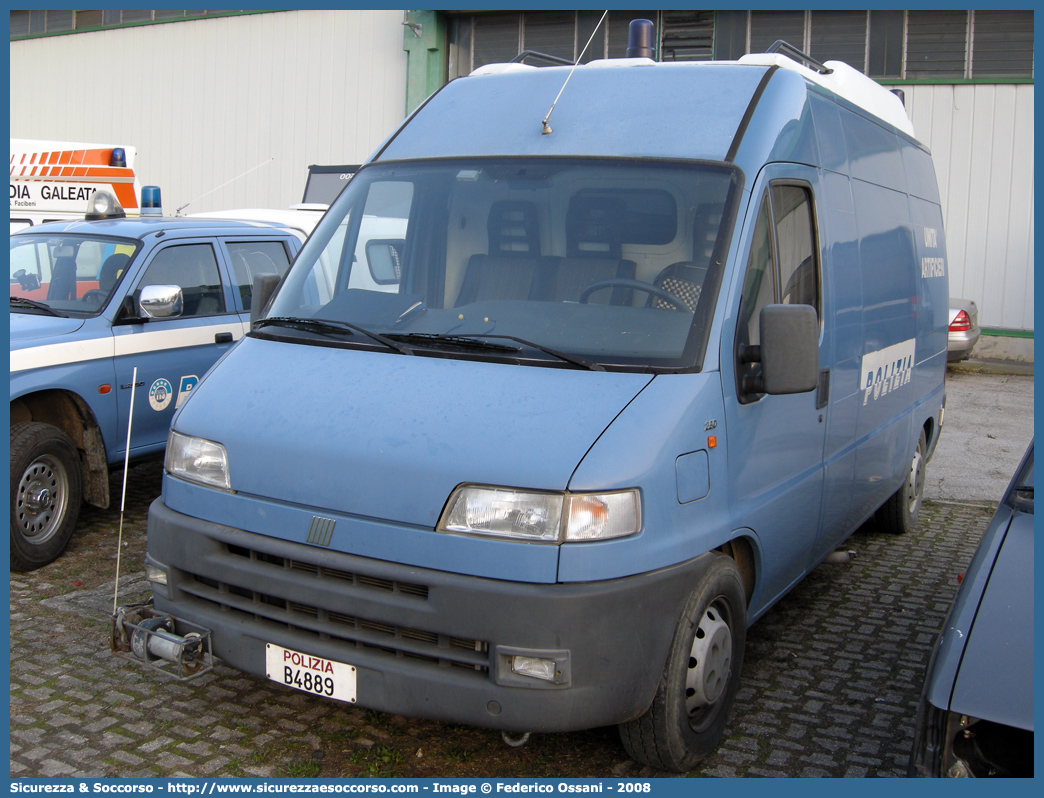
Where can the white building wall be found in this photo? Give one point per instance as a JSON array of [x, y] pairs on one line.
[[208, 100], [981, 138]]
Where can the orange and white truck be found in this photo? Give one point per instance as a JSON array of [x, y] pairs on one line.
[[53, 180]]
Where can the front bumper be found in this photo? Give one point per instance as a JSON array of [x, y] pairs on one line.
[[426, 643]]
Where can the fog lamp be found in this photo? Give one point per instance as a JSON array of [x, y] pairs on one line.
[[536, 667], [156, 574]]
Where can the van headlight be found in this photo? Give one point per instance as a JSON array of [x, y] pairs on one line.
[[541, 517], [197, 460]]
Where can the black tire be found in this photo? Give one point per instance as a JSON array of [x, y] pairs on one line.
[[685, 724], [899, 514], [45, 494]]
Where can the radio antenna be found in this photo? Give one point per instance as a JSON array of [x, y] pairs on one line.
[[233, 180], [123, 498], [547, 127]]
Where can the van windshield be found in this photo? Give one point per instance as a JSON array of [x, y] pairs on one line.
[[610, 263], [66, 274]]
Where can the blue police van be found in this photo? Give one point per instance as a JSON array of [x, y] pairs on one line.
[[90, 302], [631, 369]]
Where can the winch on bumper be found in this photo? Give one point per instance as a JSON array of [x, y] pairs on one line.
[[425, 643]]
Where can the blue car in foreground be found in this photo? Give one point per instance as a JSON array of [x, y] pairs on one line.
[[976, 713]]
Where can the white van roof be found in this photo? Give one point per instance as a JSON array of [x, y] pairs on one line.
[[848, 83]]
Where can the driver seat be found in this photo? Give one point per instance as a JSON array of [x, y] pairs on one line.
[[593, 252]]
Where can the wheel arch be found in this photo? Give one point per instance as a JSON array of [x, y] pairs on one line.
[[72, 415], [741, 550]]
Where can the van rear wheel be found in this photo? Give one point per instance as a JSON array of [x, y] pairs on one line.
[[899, 514], [45, 494], [698, 687]]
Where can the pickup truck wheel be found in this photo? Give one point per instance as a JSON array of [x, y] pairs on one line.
[[692, 704], [899, 514], [45, 494]]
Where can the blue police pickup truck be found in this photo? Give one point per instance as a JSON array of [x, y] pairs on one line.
[[90, 302]]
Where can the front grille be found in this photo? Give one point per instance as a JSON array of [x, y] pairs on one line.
[[325, 623], [405, 588]]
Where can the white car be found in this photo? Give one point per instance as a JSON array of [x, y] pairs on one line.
[[303, 217]]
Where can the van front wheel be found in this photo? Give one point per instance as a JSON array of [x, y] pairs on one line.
[[698, 687], [899, 514]]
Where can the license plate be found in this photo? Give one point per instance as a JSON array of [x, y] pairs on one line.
[[315, 675]]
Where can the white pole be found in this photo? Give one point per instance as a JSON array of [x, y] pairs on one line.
[[123, 498]]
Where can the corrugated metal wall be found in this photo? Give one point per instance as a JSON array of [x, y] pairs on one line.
[[205, 101], [981, 138]]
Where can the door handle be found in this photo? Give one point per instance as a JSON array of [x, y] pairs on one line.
[[223, 338], [823, 390]]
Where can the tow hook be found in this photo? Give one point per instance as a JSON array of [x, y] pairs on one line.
[[515, 740], [161, 642]]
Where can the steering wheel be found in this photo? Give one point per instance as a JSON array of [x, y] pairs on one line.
[[623, 282], [94, 295]]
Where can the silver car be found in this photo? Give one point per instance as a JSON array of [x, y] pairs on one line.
[[976, 712], [964, 329]]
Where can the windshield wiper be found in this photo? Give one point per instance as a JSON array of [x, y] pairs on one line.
[[456, 341], [330, 325], [22, 302], [574, 359]]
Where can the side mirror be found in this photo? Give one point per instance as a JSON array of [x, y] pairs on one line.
[[161, 301], [789, 348], [384, 257], [260, 292]]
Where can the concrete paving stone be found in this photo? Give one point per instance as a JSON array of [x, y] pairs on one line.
[[719, 771], [52, 768], [111, 739], [198, 749], [58, 720], [69, 738], [237, 751], [155, 744], [43, 694], [778, 758], [86, 755], [102, 724], [212, 766], [796, 731], [820, 759], [171, 761], [31, 736], [128, 758], [814, 773], [758, 729]]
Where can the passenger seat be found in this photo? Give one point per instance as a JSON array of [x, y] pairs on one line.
[[509, 270]]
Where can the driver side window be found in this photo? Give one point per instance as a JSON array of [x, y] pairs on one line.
[[782, 268], [194, 269]]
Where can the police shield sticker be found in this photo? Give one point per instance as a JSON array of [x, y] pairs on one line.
[[187, 384], [160, 394]]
